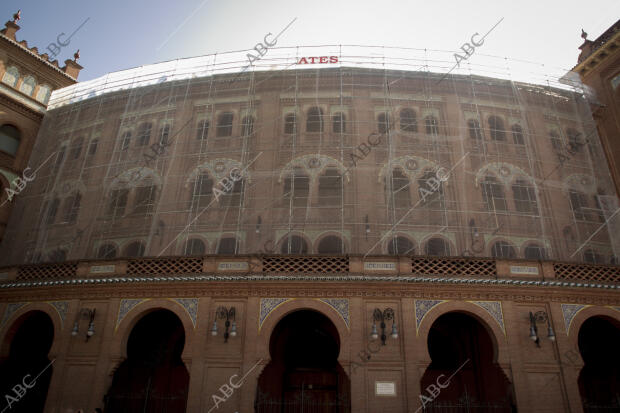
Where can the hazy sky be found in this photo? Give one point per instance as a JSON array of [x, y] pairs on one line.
[[129, 33]]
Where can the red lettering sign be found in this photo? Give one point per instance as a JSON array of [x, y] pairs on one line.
[[321, 59]]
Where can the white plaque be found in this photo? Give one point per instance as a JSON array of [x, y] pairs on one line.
[[380, 266], [98, 269], [385, 388], [233, 266], [520, 269]]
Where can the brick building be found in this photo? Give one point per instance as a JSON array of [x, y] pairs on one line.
[[345, 238]]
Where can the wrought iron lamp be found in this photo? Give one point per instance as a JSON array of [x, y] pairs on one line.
[[540, 317], [86, 313], [382, 317], [228, 314]]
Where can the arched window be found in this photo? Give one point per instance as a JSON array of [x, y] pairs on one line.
[[556, 141], [400, 246], [57, 255], [314, 121], [290, 124], [145, 199], [534, 252], [194, 246], [76, 148], [72, 207], [574, 140], [9, 139], [579, 204], [330, 188], [43, 95], [517, 134], [430, 189], [437, 247], [117, 202], [224, 125], [60, 158], [125, 141], [135, 249], [202, 192], [383, 122], [525, 197], [474, 129], [202, 131], [11, 76], [92, 147], [331, 245], [144, 134], [247, 125], [432, 126], [593, 257], [234, 196], [27, 86], [502, 249], [493, 194], [408, 121], [228, 246], [164, 133], [496, 128], [294, 244], [399, 194], [106, 251], [52, 210], [297, 187], [338, 123]]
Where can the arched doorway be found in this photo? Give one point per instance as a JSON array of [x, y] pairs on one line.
[[460, 340], [304, 373], [153, 378], [28, 356], [599, 380]]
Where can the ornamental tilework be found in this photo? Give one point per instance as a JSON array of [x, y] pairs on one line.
[[10, 310], [126, 306], [267, 305], [341, 305], [191, 306], [421, 308], [569, 311], [62, 307], [494, 308]]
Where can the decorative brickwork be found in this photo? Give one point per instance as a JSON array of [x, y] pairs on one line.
[[165, 266], [306, 264], [455, 266], [43, 271], [586, 272]]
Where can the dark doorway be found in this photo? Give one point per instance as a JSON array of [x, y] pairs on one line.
[[28, 356], [480, 385], [304, 373], [153, 378], [599, 380]]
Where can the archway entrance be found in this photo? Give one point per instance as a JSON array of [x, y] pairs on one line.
[[599, 380], [456, 340], [153, 378], [34, 334], [304, 373]]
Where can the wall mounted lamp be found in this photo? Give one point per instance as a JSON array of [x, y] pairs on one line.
[[85, 313], [383, 316], [258, 224], [228, 314], [540, 317]]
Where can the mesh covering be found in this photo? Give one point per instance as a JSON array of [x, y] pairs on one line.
[[379, 153]]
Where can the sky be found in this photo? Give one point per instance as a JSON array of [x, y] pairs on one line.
[[119, 35]]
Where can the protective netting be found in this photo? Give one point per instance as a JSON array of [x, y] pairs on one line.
[[378, 153]]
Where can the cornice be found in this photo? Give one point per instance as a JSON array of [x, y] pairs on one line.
[[299, 285], [18, 107], [604, 52]]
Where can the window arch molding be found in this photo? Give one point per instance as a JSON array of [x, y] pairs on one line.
[[314, 165], [506, 173], [295, 237], [10, 138], [11, 76], [322, 239], [428, 241], [401, 244], [502, 248], [413, 167], [218, 169]]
